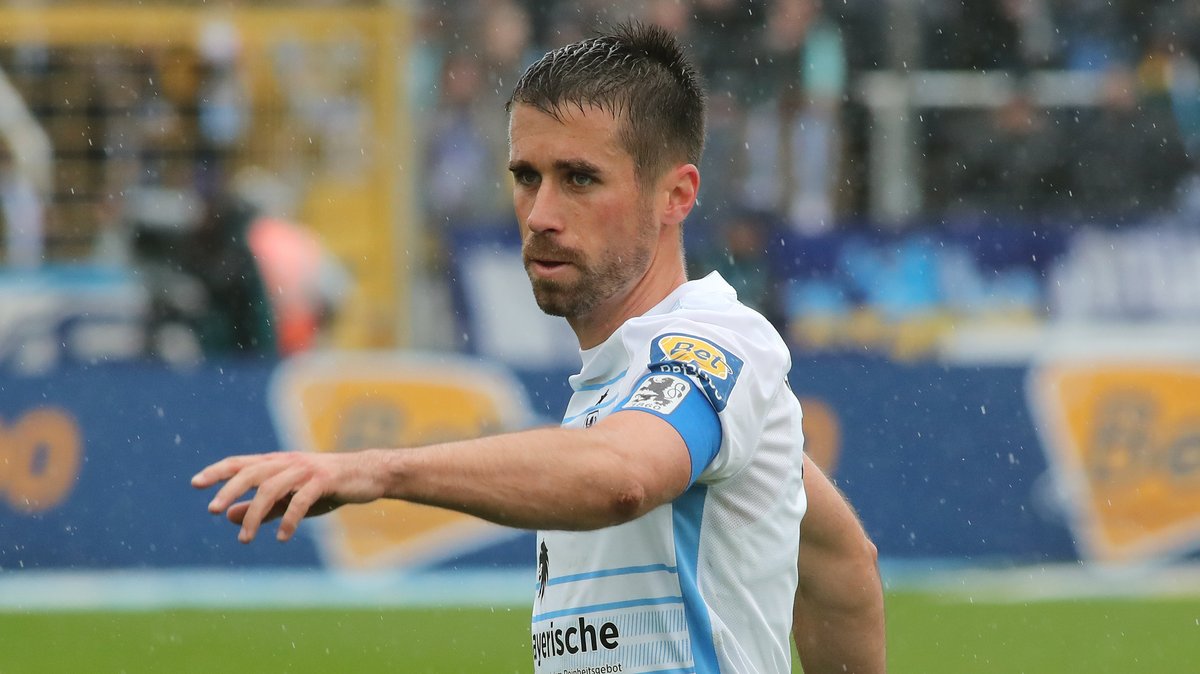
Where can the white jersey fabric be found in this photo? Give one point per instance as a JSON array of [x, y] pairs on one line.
[[704, 584]]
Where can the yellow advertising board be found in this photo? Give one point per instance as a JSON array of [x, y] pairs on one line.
[[344, 402], [1124, 441], [40, 456]]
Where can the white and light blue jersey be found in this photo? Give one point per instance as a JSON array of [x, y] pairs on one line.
[[704, 584]]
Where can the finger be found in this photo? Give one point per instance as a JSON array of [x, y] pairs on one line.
[[251, 474], [236, 513], [222, 470], [271, 492], [297, 510]]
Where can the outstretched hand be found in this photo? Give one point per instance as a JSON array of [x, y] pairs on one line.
[[290, 485]]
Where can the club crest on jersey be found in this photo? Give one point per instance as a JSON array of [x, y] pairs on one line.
[[543, 570], [660, 393], [716, 368]]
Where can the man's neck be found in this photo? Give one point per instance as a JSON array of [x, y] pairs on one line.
[[600, 323]]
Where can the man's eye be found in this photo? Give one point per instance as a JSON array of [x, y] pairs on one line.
[[581, 179], [525, 177]]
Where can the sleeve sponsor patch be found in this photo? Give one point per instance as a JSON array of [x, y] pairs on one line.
[[660, 393], [715, 368]]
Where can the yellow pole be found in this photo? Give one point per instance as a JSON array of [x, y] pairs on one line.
[[382, 243]]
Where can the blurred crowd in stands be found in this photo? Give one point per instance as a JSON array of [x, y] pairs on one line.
[[787, 123], [785, 210]]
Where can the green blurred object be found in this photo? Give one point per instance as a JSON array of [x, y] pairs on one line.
[[928, 633]]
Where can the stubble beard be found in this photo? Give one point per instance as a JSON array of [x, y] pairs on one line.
[[595, 282]]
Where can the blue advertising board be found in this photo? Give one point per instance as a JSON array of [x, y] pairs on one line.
[[941, 462]]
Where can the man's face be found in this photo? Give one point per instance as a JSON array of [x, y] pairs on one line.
[[587, 232]]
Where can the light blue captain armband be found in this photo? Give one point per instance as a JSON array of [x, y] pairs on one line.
[[675, 399]]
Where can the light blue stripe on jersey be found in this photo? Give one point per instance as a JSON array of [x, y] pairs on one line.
[[687, 515], [610, 382], [694, 419], [675, 670], [611, 606], [605, 573]]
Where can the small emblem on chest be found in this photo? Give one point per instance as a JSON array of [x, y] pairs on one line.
[[543, 569]]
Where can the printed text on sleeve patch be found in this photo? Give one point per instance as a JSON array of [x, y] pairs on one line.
[[714, 367]]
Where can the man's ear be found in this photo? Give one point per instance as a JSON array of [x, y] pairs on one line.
[[681, 185]]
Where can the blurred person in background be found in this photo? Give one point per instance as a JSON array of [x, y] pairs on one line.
[[235, 318], [1013, 35], [1013, 165], [1134, 129], [795, 96], [22, 216], [504, 36], [1099, 35], [222, 104], [206, 294], [739, 255], [723, 35], [305, 283], [676, 485], [465, 141], [673, 15]]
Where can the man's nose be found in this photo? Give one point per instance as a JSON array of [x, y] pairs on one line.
[[546, 214]]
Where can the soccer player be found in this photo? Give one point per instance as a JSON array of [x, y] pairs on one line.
[[669, 502]]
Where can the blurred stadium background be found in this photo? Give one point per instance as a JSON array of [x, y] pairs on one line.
[[231, 227]]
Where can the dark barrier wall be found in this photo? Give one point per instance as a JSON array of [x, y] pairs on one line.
[[95, 463]]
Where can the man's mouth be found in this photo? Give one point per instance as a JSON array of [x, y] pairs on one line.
[[543, 267], [547, 260]]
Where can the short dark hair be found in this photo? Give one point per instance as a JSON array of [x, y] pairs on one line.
[[637, 72]]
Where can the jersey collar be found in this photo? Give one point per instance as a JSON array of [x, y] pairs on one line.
[[605, 363]]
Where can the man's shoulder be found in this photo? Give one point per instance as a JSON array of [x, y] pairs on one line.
[[729, 324], [718, 348]]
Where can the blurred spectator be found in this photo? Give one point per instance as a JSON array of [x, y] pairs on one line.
[[467, 150], [792, 127], [1012, 165], [1015, 35], [305, 283], [206, 294], [559, 22], [725, 38], [674, 15], [221, 103], [113, 245], [504, 39], [1096, 34], [1128, 157], [722, 36], [21, 216], [740, 255], [236, 316]]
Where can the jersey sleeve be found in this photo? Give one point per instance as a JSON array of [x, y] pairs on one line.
[[736, 368], [676, 399]]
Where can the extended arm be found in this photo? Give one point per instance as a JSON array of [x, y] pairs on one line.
[[549, 478], [838, 619]]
